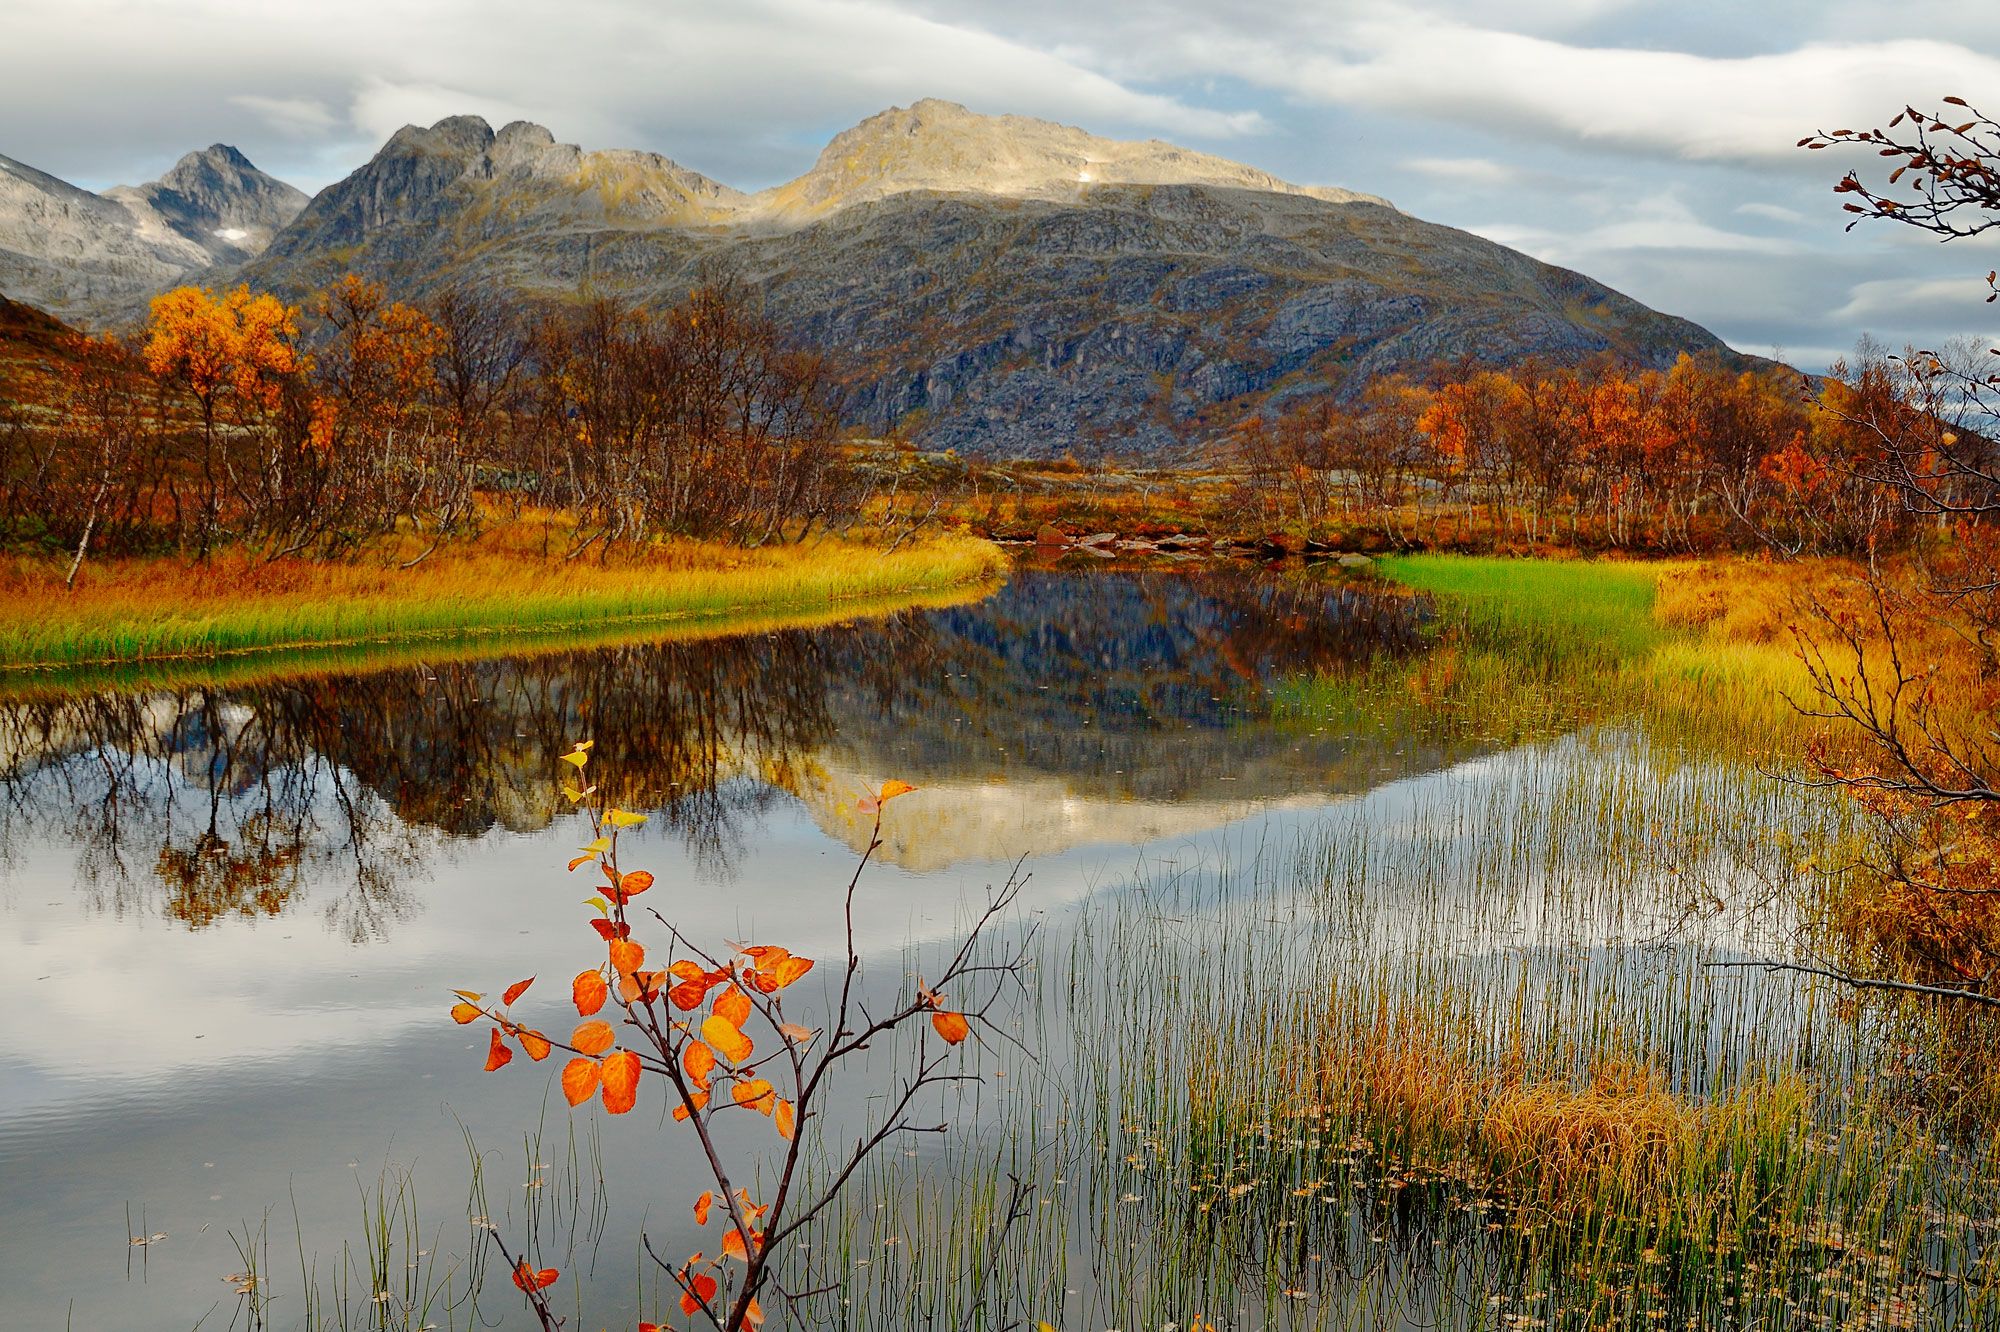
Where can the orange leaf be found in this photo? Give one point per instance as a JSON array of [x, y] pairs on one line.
[[697, 1060], [516, 990], [464, 1013], [638, 881], [701, 1206], [621, 1081], [893, 788], [536, 1044], [688, 994], [497, 1053], [733, 1247], [782, 1117], [527, 1278], [580, 860], [700, 1100], [952, 1026], [790, 969], [579, 1080], [627, 956], [589, 990], [593, 1038], [731, 1043], [687, 971], [607, 930], [733, 1007], [757, 1094], [753, 1313], [703, 1291]]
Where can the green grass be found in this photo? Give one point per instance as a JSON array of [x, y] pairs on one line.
[[149, 613], [1564, 605]]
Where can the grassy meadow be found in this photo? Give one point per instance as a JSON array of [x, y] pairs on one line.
[[149, 611]]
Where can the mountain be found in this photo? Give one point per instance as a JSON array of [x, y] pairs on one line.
[[96, 258], [995, 283]]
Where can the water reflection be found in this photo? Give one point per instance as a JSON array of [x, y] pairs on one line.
[[1067, 708]]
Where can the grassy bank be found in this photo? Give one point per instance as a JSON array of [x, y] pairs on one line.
[[142, 611], [1702, 647]]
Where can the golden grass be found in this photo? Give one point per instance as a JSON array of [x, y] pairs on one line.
[[150, 610]]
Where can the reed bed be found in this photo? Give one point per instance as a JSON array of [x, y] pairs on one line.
[[1460, 1057]]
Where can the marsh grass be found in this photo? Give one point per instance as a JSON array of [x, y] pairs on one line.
[[147, 611], [1458, 1057]]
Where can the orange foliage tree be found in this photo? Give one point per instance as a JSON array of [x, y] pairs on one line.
[[236, 348], [712, 1029]]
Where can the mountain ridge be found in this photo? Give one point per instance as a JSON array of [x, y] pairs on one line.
[[993, 283]]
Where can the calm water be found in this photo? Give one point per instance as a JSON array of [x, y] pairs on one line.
[[1249, 805], [229, 918]]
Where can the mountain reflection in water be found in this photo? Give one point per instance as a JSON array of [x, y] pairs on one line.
[[1064, 710]]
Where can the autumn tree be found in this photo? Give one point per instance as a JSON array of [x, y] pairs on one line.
[[1922, 425], [230, 351]]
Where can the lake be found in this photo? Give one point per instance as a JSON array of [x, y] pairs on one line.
[[1255, 815]]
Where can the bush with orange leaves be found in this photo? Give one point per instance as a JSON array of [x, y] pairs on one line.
[[713, 1031]]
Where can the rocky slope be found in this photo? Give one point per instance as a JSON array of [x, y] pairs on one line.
[[996, 283], [94, 259]]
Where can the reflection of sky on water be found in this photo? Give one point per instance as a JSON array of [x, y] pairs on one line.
[[208, 1065]]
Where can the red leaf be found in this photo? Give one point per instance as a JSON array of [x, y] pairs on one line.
[[621, 1081], [697, 1060], [626, 956], [733, 1007], [516, 990], [790, 969], [579, 1080], [607, 930], [527, 1278], [703, 1291], [497, 1053]]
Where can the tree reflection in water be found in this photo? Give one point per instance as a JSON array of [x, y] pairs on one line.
[[251, 801]]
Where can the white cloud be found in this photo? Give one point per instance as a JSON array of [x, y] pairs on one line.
[[1772, 212], [1907, 302], [1478, 172], [1748, 109], [300, 116]]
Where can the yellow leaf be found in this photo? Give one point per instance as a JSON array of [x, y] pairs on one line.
[[599, 846], [625, 819]]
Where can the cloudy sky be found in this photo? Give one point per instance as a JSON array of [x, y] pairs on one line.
[[1648, 145]]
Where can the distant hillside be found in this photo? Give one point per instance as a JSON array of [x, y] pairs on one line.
[[998, 284]]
